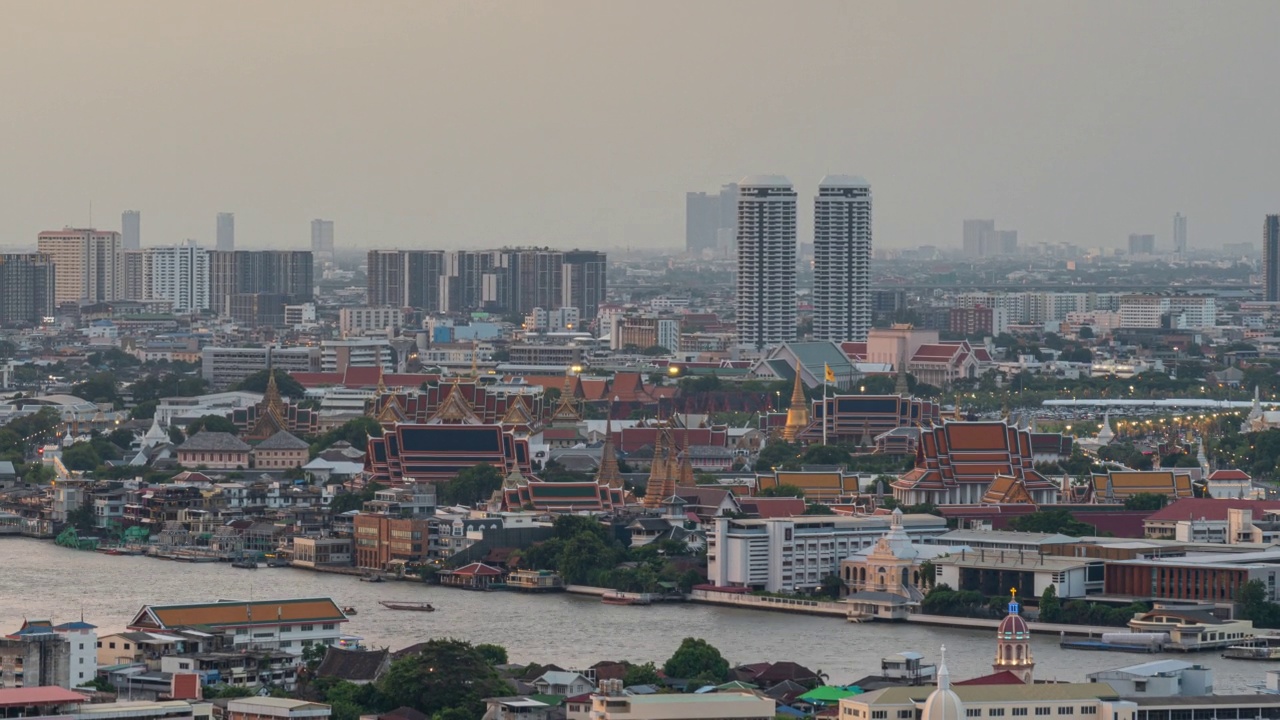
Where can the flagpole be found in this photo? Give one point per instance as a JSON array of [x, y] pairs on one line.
[[825, 409]]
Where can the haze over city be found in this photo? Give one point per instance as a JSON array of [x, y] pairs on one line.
[[583, 124]]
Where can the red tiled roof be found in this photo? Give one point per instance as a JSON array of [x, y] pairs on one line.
[[40, 695], [476, 568], [937, 352], [856, 351], [1210, 509], [1004, 677], [773, 507], [1229, 475]]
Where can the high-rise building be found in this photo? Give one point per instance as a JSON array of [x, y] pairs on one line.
[[385, 273], [87, 263], [282, 272], [179, 274], [27, 284], [975, 232], [1271, 258], [766, 261], [226, 231], [710, 221], [1179, 233], [131, 229], [1142, 244], [842, 259], [131, 264], [701, 221], [322, 238], [424, 278], [583, 286]]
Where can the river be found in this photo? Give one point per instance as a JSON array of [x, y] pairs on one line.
[[41, 580]]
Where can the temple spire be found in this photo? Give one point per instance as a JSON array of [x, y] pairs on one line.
[[609, 474], [798, 412]]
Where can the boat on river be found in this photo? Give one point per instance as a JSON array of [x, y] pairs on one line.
[[1263, 647], [617, 598], [407, 605]]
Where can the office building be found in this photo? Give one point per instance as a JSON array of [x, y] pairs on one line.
[[226, 231], [257, 309], [27, 281], [1271, 258], [131, 230], [226, 365], [179, 274], [86, 262], [131, 264], [243, 272], [322, 238], [424, 281], [766, 261], [338, 355], [1142, 244], [842, 259], [385, 278], [791, 554], [357, 321], [646, 331], [975, 231], [1179, 233]]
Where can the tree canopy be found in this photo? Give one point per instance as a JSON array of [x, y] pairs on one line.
[[1056, 520], [257, 382], [697, 659], [446, 674], [472, 485], [211, 423]]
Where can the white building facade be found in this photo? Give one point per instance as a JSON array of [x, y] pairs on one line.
[[179, 274], [766, 279], [842, 259]]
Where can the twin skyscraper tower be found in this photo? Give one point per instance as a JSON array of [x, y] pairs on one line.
[[766, 249]]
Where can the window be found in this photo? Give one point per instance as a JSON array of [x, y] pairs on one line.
[[286, 628], [973, 712], [307, 628], [1066, 710], [1044, 711], [328, 626], [1088, 710], [996, 712], [906, 713], [113, 646], [1018, 712], [875, 714]]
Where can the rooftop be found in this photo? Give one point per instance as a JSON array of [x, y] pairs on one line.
[[43, 695]]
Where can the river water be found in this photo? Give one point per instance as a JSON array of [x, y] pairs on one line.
[[41, 580]]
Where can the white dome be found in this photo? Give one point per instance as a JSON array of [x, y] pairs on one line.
[[943, 704]]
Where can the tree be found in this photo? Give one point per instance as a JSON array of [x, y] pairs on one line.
[[1085, 332], [175, 435], [355, 432], [818, 509], [82, 520], [1051, 521], [494, 654], [1050, 608], [778, 455], [696, 658], [471, 485], [257, 382], [782, 491], [99, 388], [212, 423], [446, 674], [645, 674], [1149, 502], [825, 455], [81, 456]]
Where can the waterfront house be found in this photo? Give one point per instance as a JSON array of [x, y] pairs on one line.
[[534, 581], [290, 625], [1191, 627], [563, 684], [311, 552], [475, 576]]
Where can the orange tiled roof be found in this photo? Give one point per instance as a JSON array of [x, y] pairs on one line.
[[235, 614]]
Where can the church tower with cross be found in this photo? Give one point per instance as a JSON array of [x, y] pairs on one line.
[[1013, 643]]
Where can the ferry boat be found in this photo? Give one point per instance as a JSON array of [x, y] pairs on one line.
[[349, 611], [1263, 647], [407, 605], [371, 578]]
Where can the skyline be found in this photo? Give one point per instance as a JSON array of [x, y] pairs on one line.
[[1080, 123]]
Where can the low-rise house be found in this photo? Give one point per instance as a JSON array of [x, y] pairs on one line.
[[245, 668], [520, 707], [282, 450], [724, 706], [310, 552], [290, 625], [563, 683], [355, 666], [217, 450], [1160, 678], [272, 708]]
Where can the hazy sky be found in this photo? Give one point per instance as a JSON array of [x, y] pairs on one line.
[[467, 124]]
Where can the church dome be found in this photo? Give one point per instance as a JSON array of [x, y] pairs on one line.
[[1013, 627]]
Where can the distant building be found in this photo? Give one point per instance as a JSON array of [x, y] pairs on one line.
[[1142, 244], [226, 365], [36, 656], [1180, 233], [766, 273], [1271, 258], [179, 274], [975, 231], [273, 708], [257, 309], [226, 231], [842, 259], [284, 272], [86, 262], [29, 283], [131, 230], [290, 624], [701, 221], [358, 321], [322, 238]]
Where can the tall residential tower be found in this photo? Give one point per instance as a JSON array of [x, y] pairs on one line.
[[1179, 233], [322, 239], [1271, 258], [766, 261], [86, 264], [131, 229], [842, 259]]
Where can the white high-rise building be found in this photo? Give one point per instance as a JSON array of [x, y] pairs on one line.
[[842, 259], [131, 229], [766, 261], [179, 274], [226, 231], [1179, 233], [86, 264]]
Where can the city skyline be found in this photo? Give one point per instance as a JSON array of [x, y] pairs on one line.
[[1064, 150]]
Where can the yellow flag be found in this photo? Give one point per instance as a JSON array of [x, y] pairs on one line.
[[831, 376]]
